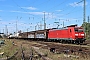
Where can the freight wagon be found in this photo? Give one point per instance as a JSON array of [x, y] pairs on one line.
[[35, 35], [69, 34]]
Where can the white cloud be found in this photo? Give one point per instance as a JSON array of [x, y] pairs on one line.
[[36, 13], [33, 13], [0, 19], [76, 4], [58, 10], [30, 8], [16, 11], [47, 14], [1, 10]]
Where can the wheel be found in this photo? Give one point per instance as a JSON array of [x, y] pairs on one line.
[[72, 42]]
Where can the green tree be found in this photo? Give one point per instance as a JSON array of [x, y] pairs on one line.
[[86, 27]]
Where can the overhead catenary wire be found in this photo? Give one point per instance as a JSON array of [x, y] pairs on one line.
[[27, 11], [58, 5], [43, 3], [55, 6], [33, 16], [71, 11], [39, 4], [21, 7], [32, 2]]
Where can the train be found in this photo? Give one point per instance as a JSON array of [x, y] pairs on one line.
[[69, 34]]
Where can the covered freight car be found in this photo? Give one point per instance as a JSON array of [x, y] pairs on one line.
[[35, 35]]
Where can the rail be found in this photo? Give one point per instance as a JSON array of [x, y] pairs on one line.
[[23, 57], [42, 55]]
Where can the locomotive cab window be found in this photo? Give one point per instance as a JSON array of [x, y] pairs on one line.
[[78, 30]]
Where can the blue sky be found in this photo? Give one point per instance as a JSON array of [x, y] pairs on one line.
[[29, 13]]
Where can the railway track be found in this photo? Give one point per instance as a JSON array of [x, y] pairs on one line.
[[72, 49], [64, 44], [35, 54], [66, 48]]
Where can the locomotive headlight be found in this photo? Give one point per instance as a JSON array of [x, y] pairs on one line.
[[76, 34], [82, 34]]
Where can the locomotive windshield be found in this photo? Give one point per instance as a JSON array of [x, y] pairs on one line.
[[78, 30]]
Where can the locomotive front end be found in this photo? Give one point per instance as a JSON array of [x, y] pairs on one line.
[[79, 35]]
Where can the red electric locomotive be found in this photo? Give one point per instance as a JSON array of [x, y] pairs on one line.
[[70, 34]]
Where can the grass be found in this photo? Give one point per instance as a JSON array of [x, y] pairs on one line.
[[8, 48]]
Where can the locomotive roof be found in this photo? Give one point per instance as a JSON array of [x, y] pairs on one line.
[[72, 25], [60, 28]]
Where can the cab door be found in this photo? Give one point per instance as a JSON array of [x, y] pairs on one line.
[[70, 33]]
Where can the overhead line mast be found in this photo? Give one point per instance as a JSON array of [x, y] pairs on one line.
[[84, 15], [44, 21], [84, 12]]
